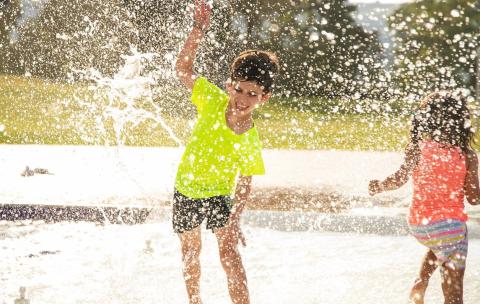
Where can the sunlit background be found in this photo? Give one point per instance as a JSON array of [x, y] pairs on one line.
[[349, 69], [90, 101]]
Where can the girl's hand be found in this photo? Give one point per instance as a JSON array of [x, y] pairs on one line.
[[375, 187], [202, 14]]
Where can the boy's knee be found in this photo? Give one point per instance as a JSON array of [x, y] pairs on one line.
[[191, 252], [229, 256]]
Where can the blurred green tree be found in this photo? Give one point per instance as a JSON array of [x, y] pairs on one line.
[[321, 48], [324, 52], [75, 34], [163, 25], [10, 11], [435, 45]]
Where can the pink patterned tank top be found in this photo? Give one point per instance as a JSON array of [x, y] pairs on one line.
[[438, 182]]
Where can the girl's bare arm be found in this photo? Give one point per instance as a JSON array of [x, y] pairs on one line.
[[471, 188], [400, 177]]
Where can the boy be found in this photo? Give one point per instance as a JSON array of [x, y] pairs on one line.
[[224, 142]]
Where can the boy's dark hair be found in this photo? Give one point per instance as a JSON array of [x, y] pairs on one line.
[[444, 118], [258, 66]]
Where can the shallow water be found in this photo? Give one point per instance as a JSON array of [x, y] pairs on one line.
[[86, 263]]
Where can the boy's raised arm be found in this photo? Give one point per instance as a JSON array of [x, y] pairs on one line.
[[184, 65]]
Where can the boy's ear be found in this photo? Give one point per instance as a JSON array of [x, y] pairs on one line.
[[266, 97], [228, 83]]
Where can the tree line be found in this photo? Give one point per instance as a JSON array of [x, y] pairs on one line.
[[323, 51]]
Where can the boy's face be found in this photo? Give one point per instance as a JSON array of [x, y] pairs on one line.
[[246, 96]]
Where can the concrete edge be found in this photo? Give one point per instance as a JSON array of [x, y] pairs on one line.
[[291, 221], [58, 213], [295, 221]]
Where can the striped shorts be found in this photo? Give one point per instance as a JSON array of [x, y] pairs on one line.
[[447, 239]]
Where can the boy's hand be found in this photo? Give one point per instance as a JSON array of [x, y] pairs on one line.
[[202, 15], [375, 187], [234, 225]]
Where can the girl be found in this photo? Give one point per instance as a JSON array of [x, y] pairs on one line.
[[445, 170]]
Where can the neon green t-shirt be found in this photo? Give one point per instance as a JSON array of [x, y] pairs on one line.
[[214, 154]]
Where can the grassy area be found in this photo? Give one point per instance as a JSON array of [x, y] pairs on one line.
[[39, 112]]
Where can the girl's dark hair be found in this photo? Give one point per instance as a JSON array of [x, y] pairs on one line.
[[444, 118], [258, 66]]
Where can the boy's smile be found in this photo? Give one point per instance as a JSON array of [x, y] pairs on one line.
[[245, 96]]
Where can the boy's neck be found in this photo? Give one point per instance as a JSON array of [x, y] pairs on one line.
[[238, 124]]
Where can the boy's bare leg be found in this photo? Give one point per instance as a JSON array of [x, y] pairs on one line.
[[233, 266], [191, 243], [452, 285], [429, 264]]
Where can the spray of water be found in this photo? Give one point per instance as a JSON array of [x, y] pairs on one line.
[[125, 100]]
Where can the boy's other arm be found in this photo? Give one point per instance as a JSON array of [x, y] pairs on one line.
[[400, 177], [471, 187], [242, 193], [186, 57]]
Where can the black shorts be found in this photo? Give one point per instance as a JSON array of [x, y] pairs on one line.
[[189, 213]]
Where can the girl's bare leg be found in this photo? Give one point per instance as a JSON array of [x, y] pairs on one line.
[[452, 285], [428, 267]]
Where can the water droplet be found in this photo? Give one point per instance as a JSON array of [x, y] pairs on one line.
[[455, 13]]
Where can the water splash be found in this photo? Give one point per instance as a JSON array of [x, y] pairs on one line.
[[125, 100]]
